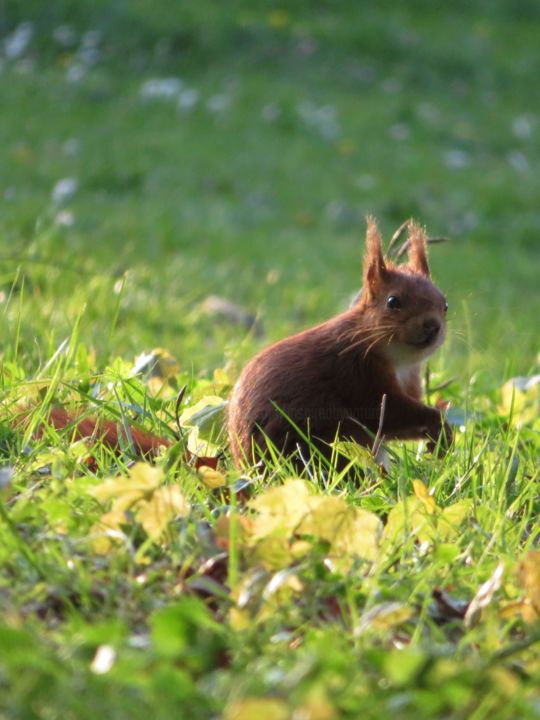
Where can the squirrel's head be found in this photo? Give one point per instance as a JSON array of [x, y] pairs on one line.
[[405, 312]]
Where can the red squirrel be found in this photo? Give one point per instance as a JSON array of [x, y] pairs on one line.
[[112, 435], [107, 431], [328, 382]]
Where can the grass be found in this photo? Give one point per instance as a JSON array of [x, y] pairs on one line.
[[250, 182]]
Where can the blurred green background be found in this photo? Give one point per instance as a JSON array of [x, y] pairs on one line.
[[157, 153]]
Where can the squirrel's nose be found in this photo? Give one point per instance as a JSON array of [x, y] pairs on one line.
[[431, 326]]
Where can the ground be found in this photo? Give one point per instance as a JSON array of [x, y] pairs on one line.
[[156, 156]]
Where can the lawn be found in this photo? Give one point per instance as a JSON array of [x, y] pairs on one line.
[[163, 159]]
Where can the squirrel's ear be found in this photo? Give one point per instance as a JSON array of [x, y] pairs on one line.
[[375, 269], [418, 261]]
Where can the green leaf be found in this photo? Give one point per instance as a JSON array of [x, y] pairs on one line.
[[207, 415]]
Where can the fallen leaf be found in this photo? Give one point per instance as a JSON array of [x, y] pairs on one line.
[[520, 400], [164, 505], [422, 518], [149, 503], [349, 530], [484, 596], [291, 513], [207, 415], [143, 478], [257, 709], [529, 575], [523, 608], [422, 493], [384, 616], [211, 477], [280, 508]]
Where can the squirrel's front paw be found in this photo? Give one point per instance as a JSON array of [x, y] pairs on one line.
[[441, 440]]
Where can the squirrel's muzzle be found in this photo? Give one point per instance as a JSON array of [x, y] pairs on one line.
[[427, 333]]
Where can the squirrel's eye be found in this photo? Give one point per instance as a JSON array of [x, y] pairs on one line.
[[445, 306], [393, 302]]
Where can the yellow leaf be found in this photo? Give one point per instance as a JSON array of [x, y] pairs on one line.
[[142, 479], [524, 607], [211, 478], [106, 533], [358, 454], [158, 387], [507, 682], [529, 575], [520, 399], [222, 379], [273, 552], [384, 616], [316, 706], [140, 493], [289, 511], [346, 147], [451, 517], [349, 530], [408, 518], [155, 513], [281, 508], [198, 446], [422, 493], [240, 618], [418, 517], [257, 709], [222, 530], [278, 19], [278, 593]]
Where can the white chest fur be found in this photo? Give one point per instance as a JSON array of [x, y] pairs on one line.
[[405, 374]]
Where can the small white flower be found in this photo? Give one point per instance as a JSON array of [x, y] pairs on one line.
[[400, 131], [270, 112], [456, 159], [65, 218], [428, 112], [161, 88], [218, 103], [16, 43], [323, 119], [365, 182], [71, 147], [522, 126], [65, 36], [519, 161], [187, 99], [64, 190], [75, 73], [391, 86], [91, 38], [103, 660]]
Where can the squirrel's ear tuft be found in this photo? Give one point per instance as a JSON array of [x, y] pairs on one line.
[[375, 269], [418, 261]]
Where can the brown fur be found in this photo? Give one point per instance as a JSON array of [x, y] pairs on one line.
[[111, 434], [107, 431], [330, 379]]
